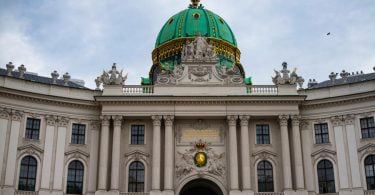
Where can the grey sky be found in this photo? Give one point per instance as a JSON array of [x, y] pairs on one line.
[[86, 36]]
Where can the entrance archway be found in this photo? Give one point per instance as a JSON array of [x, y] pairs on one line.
[[201, 187]]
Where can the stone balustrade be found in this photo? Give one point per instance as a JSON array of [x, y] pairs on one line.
[[269, 193], [262, 90], [134, 193], [25, 193], [138, 90], [370, 192]]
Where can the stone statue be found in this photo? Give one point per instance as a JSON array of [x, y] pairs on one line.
[[198, 51], [112, 77], [286, 78]]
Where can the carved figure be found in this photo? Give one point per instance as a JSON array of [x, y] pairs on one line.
[[286, 78], [112, 77]]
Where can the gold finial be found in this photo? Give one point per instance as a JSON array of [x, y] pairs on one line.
[[195, 3]]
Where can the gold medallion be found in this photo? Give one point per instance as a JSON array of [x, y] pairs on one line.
[[200, 159]]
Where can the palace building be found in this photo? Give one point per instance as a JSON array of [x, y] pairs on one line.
[[197, 124]]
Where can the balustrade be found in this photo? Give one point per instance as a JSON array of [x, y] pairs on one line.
[[269, 193], [370, 192], [19, 192]]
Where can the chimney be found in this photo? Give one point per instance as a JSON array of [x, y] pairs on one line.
[[66, 77], [344, 75], [311, 83], [332, 77]]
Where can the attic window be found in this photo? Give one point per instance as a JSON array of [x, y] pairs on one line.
[[196, 16], [170, 21], [221, 20]]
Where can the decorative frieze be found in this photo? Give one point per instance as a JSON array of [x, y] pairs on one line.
[[51, 120], [349, 119], [304, 124], [5, 114], [244, 120], [283, 119]]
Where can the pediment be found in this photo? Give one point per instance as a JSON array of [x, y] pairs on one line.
[[137, 153], [323, 151], [77, 151], [31, 147], [264, 153], [369, 146]]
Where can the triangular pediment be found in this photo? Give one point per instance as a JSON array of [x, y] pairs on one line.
[[323, 150]]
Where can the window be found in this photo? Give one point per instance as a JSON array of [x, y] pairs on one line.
[[136, 177], [265, 177], [321, 133], [137, 134], [367, 127], [32, 128], [370, 172], [263, 134], [74, 184], [28, 170], [78, 134], [326, 177]]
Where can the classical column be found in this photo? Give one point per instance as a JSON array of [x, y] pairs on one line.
[[245, 153], [233, 162], [12, 152], [60, 153], [94, 156], [103, 163], [168, 160], [48, 151], [298, 164], [353, 154], [285, 152], [156, 153], [115, 174], [307, 137], [338, 123], [4, 121]]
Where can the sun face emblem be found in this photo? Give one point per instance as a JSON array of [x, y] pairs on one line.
[[200, 159]]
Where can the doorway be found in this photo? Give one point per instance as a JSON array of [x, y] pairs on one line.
[[201, 187]]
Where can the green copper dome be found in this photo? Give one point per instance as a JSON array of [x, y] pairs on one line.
[[194, 21]]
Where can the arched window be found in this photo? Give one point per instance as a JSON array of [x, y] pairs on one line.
[[28, 171], [326, 177], [136, 177], [265, 177], [74, 184], [370, 172]]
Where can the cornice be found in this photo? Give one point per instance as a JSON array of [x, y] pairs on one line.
[[337, 101], [47, 99], [201, 100]]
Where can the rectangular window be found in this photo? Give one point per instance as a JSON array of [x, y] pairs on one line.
[[78, 134], [263, 134], [321, 133], [367, 127], [137, 134], [32, 128]]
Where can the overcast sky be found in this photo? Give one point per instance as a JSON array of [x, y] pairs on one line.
[[83, 37]]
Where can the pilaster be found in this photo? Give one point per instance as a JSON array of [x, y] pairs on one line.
[[168, 161], [298, 164], [104, 149], [4, 121], [283, 119], [94, 156], [156, 121], [48, 152], [232, 124], [115, 175], [245, 153], [62, 124]]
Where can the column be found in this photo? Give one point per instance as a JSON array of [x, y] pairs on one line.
[[4, 121], [307, 137], [353, 154], [285, 152], [60, 150], [156, 143], [94, 156], [245, 153], [298, 164], [337, 123], [12, 149], [168, 160], [48, 152], [232, 124], [104, 145], [115, 175]]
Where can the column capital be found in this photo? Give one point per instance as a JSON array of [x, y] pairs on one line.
[[51, 120], [283, 119], [117, 120], [244, 120], [105, 119], [349, 119], [232, 120], [5, 114], [304, 124], [62, 121], [295, 120], [156, 120], [94, 125], [337, 121], [168, 120], [16, 115]]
